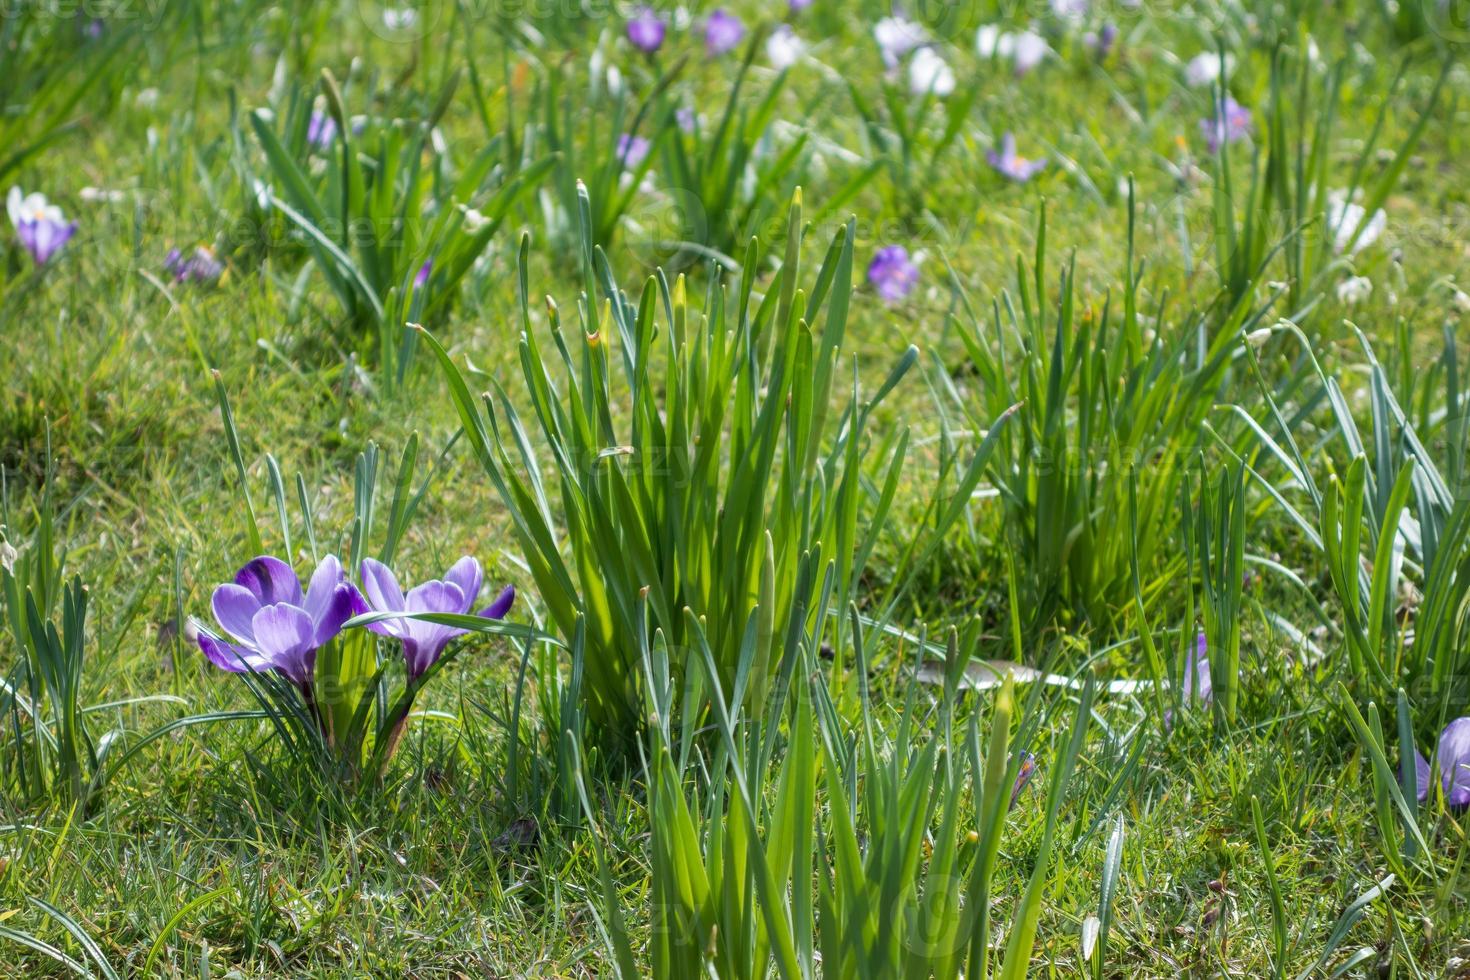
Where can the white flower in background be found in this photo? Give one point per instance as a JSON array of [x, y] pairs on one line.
[[1353, 290], [1025, 49], [1343, 218], [473, 220], [929, 72], [992, 42], [100, 195], [896, 37], [1205, 69], [146, 99], [784, 48], [1070, 9], [1030, 51], [1461, 300], [399, 18]]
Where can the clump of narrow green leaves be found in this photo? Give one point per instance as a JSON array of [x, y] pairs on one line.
[[691, 467], [48, 752], [1391, 519], [866, 850], [1291, 220], [1109, 412], [385, 221]]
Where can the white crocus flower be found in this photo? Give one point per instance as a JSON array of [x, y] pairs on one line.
[[1204, 69], [1343, 218], [896, 37], [929, 72], [784, 48], [1353, 290]]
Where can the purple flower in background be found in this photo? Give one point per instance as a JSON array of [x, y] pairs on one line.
[[646, 30], [39, 224], [797, 6], [1198, 686], [722, 32], [684, 118], [1010, 164], [272, 625], [1453, 761], [1226, 127], [1101, 41], [892, 273], [421, 278], [632, 150], [1023, 776], [321, 131], [455, 593], [199, 266]]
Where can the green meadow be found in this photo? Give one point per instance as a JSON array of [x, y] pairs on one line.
[[800, 489]]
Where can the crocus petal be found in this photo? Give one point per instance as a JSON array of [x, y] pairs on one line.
[[286, 635], [1454, 761], [501, 605], [228, 656], [322, 588], [380, 586], [234, 608], [272, 581], [344, 603], [467, 576], [383, 595], [436, 596], [1421, 776], [13, 205]]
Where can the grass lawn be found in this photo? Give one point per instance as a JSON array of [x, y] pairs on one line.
[[949, 490]]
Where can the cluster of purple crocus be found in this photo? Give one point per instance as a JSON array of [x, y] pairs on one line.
[[723, 31], [39, 224], [271, 624]]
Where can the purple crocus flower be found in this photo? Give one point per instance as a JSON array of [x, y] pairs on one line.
[[1010, 164], [646, 30], [455, 593], [39, 224], [1101, 41], [892, 273], [1227, 126], [722, 32], [1198, 687], [200, 266], [421, 278], [1453, 760], [797, 6], [1198, 684], [274, 626], [632, 150], [1023, 776], [321, 131]]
